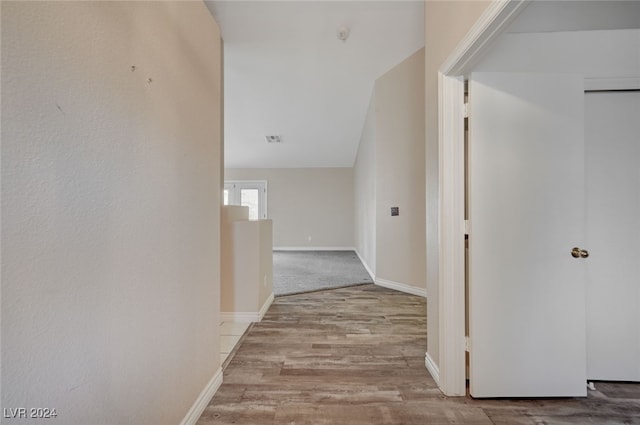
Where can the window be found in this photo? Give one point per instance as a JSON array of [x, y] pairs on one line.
[[252, 194]]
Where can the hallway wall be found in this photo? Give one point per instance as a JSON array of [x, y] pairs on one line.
[[400, 240], [389, 172], [110, 209]]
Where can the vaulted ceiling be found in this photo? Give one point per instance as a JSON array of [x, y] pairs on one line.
[[288, 74]]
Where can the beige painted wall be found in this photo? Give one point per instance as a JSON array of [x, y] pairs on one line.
[[400, 240], [307, 202], [110, 209], [265, 253], [228, 215], [389, 172], [247, 261], [446, 23], [364, 182], [253, 266]]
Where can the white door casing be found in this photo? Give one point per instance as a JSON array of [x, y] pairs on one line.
[[526, 210], [450, 372]]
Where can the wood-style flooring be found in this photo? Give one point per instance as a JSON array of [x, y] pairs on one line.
[[355, 356]]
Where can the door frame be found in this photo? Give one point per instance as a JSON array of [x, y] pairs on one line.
[[451, 371]]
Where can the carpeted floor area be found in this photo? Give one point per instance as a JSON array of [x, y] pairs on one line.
[[296, 272]]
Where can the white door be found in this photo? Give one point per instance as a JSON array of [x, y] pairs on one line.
[[612, 124], [526, 210], [247, 193]]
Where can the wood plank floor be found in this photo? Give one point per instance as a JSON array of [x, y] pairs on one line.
[[356, 356]]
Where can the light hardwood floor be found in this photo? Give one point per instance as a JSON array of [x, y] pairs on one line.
[[356, 356]]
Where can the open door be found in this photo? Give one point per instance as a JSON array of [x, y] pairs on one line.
[[526, 211]]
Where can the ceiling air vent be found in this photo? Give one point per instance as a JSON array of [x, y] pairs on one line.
[[273, 139]]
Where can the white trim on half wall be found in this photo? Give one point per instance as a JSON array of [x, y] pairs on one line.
[[247, 316], [265, 306], [239, 316]]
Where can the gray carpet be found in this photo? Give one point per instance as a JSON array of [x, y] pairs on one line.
[[295, 272]]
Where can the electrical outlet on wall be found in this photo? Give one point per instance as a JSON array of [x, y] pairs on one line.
[[309, 238]]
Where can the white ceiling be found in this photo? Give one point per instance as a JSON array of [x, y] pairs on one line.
[[287, 74]]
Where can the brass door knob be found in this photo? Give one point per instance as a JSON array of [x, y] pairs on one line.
[[579, 253]]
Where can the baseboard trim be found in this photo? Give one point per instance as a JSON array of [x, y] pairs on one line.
[[401, 287], [432, 367], [203, 399], [265, 306], [366, 266], [247, 316], [313, 248], [239, 316]]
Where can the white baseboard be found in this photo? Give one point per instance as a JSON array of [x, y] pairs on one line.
[[265, 306], [313, 248], [203, 399], [366, 266], [432, 367], [247, 316], [239, 316], [402, 287]]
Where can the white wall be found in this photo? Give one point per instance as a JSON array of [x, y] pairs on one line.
[[400, 168], [305, 203], [110, 209], [364, 176], [446, 23]]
